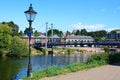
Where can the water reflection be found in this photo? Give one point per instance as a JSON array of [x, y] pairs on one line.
[[9, 68], [14, 68]]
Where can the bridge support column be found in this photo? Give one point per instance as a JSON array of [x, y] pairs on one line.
[[46, 53]]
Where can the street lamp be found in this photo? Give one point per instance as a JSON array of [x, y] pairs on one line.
[[30, 15]]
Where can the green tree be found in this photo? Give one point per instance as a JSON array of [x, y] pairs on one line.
[[78, 32], [5, 37], [60, 33], [15, 27], [98, 35], [84, 32], [18, 47], [27, 30], [55, 32], [36, 33], [21, 33], [115, 31], [68, 33]]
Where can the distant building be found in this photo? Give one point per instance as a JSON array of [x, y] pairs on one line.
[[113, 37], [26, 38], [42, 39], [74, 38], [56, 39]]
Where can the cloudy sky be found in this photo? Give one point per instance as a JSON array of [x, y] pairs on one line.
[[64, 14]]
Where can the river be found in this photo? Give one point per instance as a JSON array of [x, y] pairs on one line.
[[16, 68]]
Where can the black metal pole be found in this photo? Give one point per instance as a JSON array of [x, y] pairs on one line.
[[29, 71]]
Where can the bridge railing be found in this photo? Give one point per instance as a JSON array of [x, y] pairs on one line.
[[78, 43]]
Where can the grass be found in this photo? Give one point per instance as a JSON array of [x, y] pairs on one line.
[[54, 70]]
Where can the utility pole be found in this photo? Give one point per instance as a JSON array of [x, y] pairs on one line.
[[46, 38], [52, 36], [52, 45]]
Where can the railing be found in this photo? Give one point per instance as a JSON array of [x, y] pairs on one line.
[[78, 43]]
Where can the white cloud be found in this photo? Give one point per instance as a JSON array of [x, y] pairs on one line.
[[110, 29], [92, 27]]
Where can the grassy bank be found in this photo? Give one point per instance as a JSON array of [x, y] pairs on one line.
[[95, 61], [54, 70]]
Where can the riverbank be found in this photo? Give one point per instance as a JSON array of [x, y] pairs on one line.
[[95, 60], [107, 72]]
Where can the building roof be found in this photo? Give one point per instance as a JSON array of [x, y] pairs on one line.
[[54, 36], [41, 36], [27, 36], [78, 37]]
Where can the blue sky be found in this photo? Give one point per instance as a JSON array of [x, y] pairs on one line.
[[64, 14]]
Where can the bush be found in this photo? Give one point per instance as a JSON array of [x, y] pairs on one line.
[[106, 49], [99, 57], [44, 50], [113, 58], [18, 47], [69, 51]]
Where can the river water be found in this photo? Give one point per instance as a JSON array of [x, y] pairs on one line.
[[16, 68]]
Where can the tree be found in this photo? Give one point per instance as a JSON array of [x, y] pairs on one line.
[[36, 33], [78, 32], [18, 47], [55, 32], [15, 27], [5, 37], [21, 33], [27, 30], [68, 33], [84, 32], [98, 35], [115, 31], [60, 33]]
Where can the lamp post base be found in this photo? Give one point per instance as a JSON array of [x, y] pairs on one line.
[[29, 72]]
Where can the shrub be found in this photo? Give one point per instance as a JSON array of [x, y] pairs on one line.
[[44, 50], [113, 58], [18, 47], [106, 49], [69, 51], [99, 57]]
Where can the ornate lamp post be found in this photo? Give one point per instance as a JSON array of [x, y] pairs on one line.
[[30, 15]]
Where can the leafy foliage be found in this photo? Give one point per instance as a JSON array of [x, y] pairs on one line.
[[98, 35], [15, 27], [115, 31], [21, 33], [99, 57], [106, 49], [55, 32], [113, 58], [68, 33], [78, 32], [36, 33], [84, 32], [18, 47], [5, 37]]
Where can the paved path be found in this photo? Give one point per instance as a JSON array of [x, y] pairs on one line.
[[107, 72]]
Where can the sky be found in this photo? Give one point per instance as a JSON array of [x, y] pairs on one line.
[[92, 15]]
